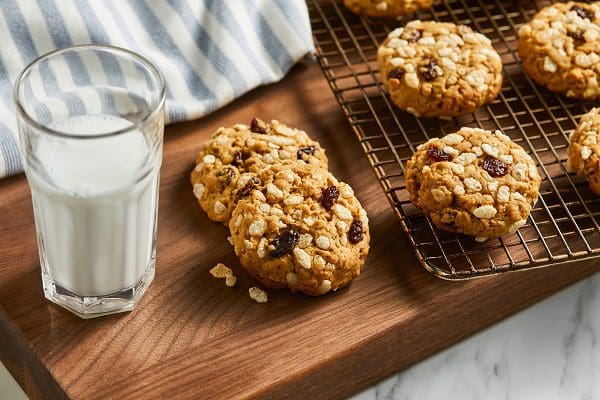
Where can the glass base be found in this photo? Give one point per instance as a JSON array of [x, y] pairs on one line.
[[97, 306]]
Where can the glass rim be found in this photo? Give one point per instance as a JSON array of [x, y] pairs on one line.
[[120, 51]]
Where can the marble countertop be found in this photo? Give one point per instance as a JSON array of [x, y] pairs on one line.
[[549, 351]]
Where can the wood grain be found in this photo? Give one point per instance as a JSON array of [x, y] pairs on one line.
[[192, 337]]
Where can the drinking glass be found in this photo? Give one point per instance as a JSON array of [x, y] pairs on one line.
[[91, 126]]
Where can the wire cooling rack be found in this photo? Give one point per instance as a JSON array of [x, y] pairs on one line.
[[563, 225]]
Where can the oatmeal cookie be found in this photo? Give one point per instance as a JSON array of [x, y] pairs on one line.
[[436, 69], [386, 8], [473, 182], [228, 163], [302, 230], [560, 49], [584, 149]]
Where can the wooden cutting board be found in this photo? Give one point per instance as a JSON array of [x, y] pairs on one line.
[[192, 337]]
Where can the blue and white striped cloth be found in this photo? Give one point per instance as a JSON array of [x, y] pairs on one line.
[[210, 51]]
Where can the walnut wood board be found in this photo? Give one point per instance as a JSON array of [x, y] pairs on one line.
[[192, 337]]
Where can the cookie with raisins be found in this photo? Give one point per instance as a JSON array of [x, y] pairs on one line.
[[301, 229], [474, 182], [560, 49], [435, 69], [228, 163], [386, 8], [584, 149]]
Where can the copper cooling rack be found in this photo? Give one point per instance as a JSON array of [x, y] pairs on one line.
[[563, 226]]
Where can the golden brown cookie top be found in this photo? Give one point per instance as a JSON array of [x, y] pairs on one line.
[[228, 163], [562, 42], [483, 178], [433, 60], [262, 143], [584, 147], [386, 8], [302, 229]]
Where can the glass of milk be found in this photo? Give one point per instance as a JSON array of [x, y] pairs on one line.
[[91, 131]]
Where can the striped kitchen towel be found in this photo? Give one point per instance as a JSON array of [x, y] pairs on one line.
[[209, 51]]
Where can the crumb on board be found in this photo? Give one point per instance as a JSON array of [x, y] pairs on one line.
[[230, 280], [258, 295], [222, 271]]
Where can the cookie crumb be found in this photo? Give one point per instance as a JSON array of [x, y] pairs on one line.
[[230, 280], [222, 271], [258, 295]]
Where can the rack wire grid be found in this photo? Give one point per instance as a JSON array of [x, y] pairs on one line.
[[563, 225]]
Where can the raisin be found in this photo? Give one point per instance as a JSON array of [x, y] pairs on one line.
[[308, 150], [495, 167], [437, 155], [329, 196], [355, 233], [577, 37], [414, 36], [428, 71], [227, 174], [258, 126], [284, 243], [226, 171], [239, 158], [396, 74], [583, 12], [247, 189]]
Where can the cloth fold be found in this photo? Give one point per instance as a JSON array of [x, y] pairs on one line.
[[209, 51]]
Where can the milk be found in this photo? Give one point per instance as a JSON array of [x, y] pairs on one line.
[[95, 202]]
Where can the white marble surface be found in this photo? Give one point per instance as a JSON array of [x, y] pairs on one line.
[[549, 351], [9, 389]]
